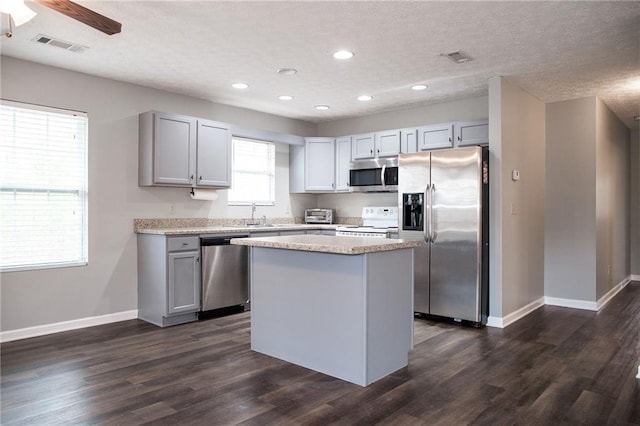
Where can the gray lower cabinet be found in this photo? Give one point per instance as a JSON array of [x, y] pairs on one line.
[[168, 279], [284, 233]]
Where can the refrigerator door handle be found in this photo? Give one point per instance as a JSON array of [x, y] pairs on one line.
[[432, 222], [426, 227]]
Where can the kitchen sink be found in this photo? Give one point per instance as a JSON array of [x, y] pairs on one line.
[[262, 225]]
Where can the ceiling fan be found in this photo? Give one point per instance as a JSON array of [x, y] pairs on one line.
[[21, 14]]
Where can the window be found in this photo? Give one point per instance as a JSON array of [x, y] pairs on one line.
[[254, 172], [43, 187]]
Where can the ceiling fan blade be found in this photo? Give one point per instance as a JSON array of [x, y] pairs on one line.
[[84, 15]]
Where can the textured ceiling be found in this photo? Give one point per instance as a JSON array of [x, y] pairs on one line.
[[553, 50]]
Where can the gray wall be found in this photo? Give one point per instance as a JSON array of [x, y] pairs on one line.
[[612, 200], [463, 109], [108, 284], [635, 202], [570, 239], [517, 142], [588, 225], [460, 110]]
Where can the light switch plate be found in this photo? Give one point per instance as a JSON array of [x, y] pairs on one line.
[[515, 175]]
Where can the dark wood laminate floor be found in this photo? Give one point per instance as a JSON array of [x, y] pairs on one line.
[[558, 366]]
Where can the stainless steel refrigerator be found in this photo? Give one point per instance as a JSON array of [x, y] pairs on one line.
[[443, 202]]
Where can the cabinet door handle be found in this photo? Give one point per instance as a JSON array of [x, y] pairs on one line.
[[185, 244], [200, 177], [449, 139], [378, 151], [459, 138], [197, 260], [191, 178]]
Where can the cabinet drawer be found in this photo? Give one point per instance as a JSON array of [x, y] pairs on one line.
[[183, 243]]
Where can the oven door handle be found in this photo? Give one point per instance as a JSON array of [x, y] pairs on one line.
[[384, 168], [426, 222]]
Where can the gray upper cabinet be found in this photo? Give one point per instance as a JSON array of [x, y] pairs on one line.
[[376, 145], [214, 154], [435, 136], [177, 150], [167, 145], [364, 146], [387, 143], [343, 158], [472, 133], [319, 170], [408, 140]]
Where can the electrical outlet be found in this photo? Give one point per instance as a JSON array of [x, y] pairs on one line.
[[514, 209], [172, 208]]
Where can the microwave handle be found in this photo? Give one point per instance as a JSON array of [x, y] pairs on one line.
[[384, 167]]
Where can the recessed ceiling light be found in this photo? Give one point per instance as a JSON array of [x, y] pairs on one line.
[[343, 54], [322, 107], [364, 98], [287, 71], [285, 97], [239, 85], [419, 87]]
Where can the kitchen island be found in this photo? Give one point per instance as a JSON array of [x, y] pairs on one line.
[[342, 306]]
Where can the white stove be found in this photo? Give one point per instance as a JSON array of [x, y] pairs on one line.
[[377, 222]]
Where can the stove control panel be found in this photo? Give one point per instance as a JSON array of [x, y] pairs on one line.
[[380, 217], [380, 212]]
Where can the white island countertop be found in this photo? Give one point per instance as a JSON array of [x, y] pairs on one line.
[[327, 243]]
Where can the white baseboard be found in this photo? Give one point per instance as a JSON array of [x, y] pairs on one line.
[[571, 303], [615, 290], [495, 322], [498, 322], [41, 330], [587, 305], [502, 322]]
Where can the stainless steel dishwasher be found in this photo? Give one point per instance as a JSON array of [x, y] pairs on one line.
[[225, 274]]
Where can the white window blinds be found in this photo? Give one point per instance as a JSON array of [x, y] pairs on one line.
[[43, 187], [254, 172]]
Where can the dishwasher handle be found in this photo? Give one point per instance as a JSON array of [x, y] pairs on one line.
[[219, 241]]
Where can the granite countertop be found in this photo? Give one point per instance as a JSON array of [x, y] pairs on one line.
[[203, 226], [229, 229], [327, 244]]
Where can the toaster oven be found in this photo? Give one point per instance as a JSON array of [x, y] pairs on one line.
[[318, 216]]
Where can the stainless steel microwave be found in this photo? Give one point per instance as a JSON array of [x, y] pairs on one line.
[[376, 175]]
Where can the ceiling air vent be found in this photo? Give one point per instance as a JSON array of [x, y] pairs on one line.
[[459, 57], [43, 39]]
